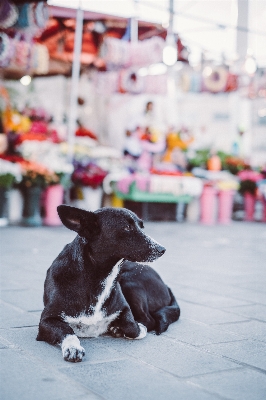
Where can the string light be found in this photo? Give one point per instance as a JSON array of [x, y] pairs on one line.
[[250, 65], [170, 51], [25, 80]]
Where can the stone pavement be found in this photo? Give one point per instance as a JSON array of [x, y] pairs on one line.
[[217, 350]]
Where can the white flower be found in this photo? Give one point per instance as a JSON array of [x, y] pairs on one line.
[[7, 167], [47, 153]]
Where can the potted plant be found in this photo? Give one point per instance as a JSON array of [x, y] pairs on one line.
[[35, 178], [52, 158], [248, 189]]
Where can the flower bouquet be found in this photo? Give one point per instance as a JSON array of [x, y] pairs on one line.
[[233, 164], [9, 173], [88, 181], [51, 156], [90, 175], [248, 188], [35, 174]]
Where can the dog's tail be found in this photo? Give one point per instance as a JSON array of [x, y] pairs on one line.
[[166, 315]]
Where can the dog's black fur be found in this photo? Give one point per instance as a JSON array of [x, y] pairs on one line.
[[74, 281]]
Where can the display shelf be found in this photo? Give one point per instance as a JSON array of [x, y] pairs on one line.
[[137, 195]]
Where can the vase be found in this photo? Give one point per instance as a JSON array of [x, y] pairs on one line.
[[193, 210], [208, 206], [31, 206], [214, 163], [4, 195], [225, 207], [249, 206], [15, 206], [92, 198], [53, 197], [263, 210]]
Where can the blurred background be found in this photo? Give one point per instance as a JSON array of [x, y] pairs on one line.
[[157, 106]]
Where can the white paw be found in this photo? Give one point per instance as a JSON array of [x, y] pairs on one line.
[[71, 349], [142, 334], [143, 331]]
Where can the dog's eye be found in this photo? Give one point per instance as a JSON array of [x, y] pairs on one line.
[[128, 228]]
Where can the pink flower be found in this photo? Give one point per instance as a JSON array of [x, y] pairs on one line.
[[250, 175]]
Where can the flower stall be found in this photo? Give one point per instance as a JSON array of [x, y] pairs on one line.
[[165, 154]]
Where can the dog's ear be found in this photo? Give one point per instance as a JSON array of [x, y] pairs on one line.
[[80, 221]]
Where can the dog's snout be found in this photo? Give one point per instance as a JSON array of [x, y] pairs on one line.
[[161, 250]]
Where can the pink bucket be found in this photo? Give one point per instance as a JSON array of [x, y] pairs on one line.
[[54, 195], [263, 210], [225, 206], [207, 205], [249, 205]]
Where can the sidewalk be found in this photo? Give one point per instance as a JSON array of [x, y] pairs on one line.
[[217, 350]]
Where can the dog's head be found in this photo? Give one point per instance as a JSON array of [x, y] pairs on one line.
[[116, 232]]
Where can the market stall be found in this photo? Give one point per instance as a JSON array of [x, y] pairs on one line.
[[157, 140]]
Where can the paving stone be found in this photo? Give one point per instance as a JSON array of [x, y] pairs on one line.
[[21, 378], [3, 344], [206, 298], [249, 329], [26, 339], [7, 283], [11, 317], [172, 356], [256, 284], [221, 288], [241, 384], [131, 380], [217, 274], [257, 311], [26, 299], [198, 334], [207, 315], [245, 351]]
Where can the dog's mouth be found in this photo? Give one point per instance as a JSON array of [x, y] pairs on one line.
[[148, 257]]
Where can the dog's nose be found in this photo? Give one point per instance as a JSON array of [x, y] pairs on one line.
[[161, 250]]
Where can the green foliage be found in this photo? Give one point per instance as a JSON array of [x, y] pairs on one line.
[[64, 179], [201, 158], [6, 180], [248, 186]]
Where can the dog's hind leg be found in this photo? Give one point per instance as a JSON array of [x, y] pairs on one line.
[[56, 331], [138, 303], [166, 315]]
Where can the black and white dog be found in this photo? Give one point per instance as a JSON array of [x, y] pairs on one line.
[[95, 285]]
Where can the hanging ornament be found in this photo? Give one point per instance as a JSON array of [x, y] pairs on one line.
[[6, 50], [8, 14], [40, 59], [23, 54], [23, 17], [41, 14], [215, 78]]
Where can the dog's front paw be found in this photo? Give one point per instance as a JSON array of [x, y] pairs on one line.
[[116, 332], [72, 350]]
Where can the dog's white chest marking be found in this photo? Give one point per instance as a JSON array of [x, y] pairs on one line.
[[97, 323]]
